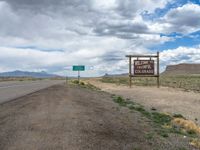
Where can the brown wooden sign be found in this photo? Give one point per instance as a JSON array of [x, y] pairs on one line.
[[143, 67]]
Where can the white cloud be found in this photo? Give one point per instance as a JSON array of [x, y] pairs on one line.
[[104, 4], [50, 35], [89, 53], [180, 55], [133, 7], [184, 19]]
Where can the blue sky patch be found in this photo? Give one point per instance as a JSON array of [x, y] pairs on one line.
[[179, 40]]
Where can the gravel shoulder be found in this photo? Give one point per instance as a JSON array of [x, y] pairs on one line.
[[66, 117], [164, 99]]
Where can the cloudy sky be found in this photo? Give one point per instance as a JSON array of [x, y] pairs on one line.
[[53, 35]]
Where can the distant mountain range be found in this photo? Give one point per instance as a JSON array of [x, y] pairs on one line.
[[18, 73]]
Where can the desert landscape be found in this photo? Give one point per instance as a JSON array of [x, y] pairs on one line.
[[100, 75], [104, 113], [72, 116]]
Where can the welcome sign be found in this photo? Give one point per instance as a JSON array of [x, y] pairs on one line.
[[143, 67]]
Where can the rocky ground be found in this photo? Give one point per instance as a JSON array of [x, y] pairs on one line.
[[164, 99]]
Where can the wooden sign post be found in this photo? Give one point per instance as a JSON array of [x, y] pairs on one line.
[[143, 67]]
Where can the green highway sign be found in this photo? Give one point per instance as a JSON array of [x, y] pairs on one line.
[[78, 68]]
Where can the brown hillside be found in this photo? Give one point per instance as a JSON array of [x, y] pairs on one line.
[[182, 69]]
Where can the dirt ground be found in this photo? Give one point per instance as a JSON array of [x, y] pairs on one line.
[[73, 118], [164, 99]]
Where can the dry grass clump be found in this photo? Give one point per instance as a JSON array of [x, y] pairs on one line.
[[195, 143], [188, 125], [85, 85]]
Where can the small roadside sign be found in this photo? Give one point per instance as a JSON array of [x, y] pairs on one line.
[[79, 68]]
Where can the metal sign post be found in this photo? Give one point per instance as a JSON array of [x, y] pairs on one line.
[[143, 67], [78, 76]]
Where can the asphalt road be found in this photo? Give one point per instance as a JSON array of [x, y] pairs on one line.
[[13, 89]]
